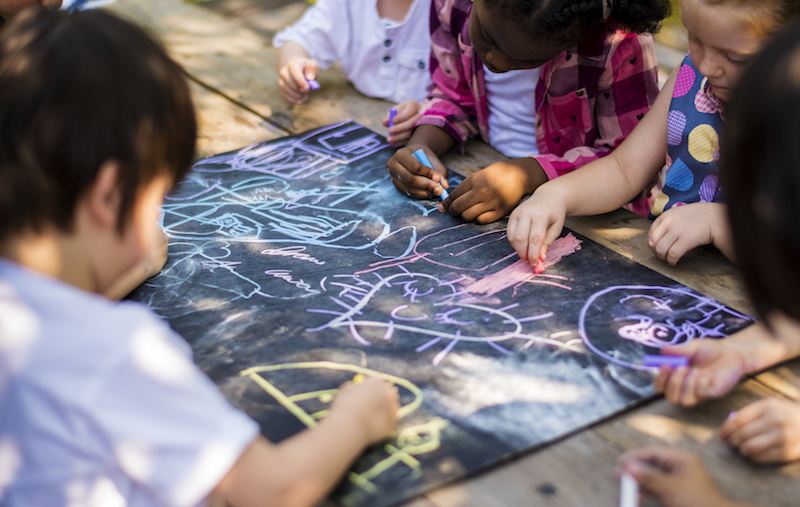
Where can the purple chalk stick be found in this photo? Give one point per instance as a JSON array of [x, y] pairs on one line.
[[656, 361], [392, 114], [313, 84]]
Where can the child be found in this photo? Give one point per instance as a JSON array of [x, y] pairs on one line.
[[761, 178], [383, 47], [684, 123], [100, 404], [552, 84]]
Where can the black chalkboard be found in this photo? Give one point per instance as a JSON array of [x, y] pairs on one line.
[[295, 265]]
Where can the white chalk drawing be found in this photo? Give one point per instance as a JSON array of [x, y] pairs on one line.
[[651, 316], [425, 308]]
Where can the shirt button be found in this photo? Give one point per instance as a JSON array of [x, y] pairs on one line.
[[421, 64], [387, 59], [387, 43]]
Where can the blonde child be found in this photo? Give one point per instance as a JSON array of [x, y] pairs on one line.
[[100, 403], [383, 47], [685, 123], [553, 84], [761, 177]]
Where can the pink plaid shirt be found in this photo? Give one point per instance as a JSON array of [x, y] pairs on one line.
[[588, 99]]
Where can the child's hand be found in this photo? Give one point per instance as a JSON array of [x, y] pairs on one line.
[[766, 431], [491, 193], [535, 224], [294, 76], [683, 228], [414, 179], [373, 403], [407, 116], [674, 477], [714, 369]]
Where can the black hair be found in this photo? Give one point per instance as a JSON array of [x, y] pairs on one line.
[[567, 20], [760, 168], [78, 90]]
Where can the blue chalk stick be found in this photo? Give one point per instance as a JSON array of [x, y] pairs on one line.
[[656, 361], [313, 84], [392, 114], [423, 159]]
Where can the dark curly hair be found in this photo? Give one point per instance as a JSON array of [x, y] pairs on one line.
[[567, 20]]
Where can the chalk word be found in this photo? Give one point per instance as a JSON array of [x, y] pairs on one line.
[[286, 276], [295, 252]]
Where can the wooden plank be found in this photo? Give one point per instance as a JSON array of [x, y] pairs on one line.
[[240, 64], [696, 430], [577, 471], [783, 379], [706, 272], [223, 126]]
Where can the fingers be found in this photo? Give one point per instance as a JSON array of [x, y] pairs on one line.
[[759, 431], [293, 79], [411, 177], [666, 244]]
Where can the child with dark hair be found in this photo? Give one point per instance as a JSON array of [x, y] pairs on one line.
[[100, 403], [761, 178], [553, 84], [684, 127]]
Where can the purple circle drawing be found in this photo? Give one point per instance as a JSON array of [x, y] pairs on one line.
[[709, 188], [622, 323], [675, 125]]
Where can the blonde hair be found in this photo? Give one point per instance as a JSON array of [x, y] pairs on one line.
[[763, 17]]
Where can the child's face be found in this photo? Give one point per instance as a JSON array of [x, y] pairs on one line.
[[140, 236], [10, 7], [720, 44], [504, 45]]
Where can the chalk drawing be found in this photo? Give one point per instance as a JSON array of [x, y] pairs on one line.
[[411, 441], [652, 316]]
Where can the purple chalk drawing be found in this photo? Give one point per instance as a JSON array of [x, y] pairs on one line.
[[619, 322]]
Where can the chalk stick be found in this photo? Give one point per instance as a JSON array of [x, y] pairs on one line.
[[656, 361], [392, 114], [628, 491], [359, 378], [423, 159], [313, 84], [539, 268]]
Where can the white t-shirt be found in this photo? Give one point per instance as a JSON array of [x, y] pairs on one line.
[[511, 104], [101, 404], [382, 58]]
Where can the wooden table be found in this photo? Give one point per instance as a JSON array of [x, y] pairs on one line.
[[226, 50]]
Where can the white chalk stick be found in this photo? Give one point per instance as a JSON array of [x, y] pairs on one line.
[[628, 491]]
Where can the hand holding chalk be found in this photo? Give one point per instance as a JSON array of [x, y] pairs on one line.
[[423, 158]]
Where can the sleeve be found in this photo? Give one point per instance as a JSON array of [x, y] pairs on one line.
[[168, 425], [323, 31], [626, 89], [450, 104]]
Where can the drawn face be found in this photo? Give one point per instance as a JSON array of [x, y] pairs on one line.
[[720, 43], [646, 318], [503, 44]]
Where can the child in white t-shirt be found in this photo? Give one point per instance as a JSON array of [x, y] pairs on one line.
[[100, 403], [383, 46]]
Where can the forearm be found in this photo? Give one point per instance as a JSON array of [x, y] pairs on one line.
[[432, 137], [598, 187], [761, 349], [299, 471], [289, 51]]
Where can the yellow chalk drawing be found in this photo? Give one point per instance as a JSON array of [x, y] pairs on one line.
[[411, 441]]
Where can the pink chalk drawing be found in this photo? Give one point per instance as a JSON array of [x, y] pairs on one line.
[[522, 272]]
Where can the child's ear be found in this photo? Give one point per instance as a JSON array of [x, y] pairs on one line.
[[103, 198]]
